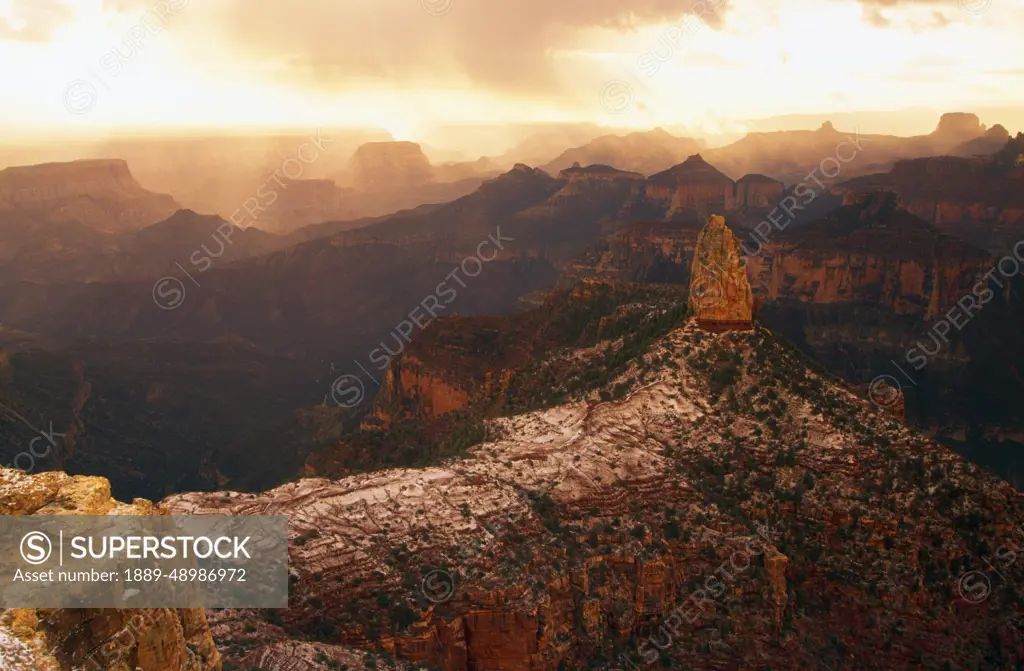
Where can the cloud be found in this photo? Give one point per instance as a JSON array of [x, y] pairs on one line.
[[35, 20], [510, 46], [876, 12]]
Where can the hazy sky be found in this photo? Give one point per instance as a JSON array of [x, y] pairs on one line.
[[405, 65]]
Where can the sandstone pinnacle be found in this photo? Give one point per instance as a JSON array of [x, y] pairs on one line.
[[720, 294]]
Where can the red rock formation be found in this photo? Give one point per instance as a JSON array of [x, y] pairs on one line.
[[775, 564], [692, 187], [720, 294], [757, 191], [642, 252], [960, 126], [599, 180], [49, 639], [411, 390], [100, 193], [870, 250], [977, 198]]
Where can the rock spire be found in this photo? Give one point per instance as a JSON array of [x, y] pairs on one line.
[[720, 294]]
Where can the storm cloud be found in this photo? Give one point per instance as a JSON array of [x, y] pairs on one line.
[[511, 46]]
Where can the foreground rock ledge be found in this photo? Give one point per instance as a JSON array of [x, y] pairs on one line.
[[49, 639]]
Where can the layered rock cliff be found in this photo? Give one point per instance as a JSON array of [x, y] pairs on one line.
[[694, 189], [389, 165], [642, 252], [870, 251], [756, 191], [979, 199], [100, 193], [162, 639], [411, 389]]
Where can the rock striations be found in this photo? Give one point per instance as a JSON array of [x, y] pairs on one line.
[[597, 530], [720, 294]]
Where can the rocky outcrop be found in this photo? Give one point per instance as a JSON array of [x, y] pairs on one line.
[[389, 166], [979, 199], [600, 181], [474, 516], [100, 193], [162, 639], [458, 362], [756, 191], [410, 389], [959, 126], [858, 289], [869, 251], [720, 294], [693, 188], [775, 564]]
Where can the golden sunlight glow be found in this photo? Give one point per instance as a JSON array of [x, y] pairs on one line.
[[99, 71]]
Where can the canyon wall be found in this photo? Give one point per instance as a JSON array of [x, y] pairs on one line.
[[101, 193], [870, 251], [412, 389], [756, 191], [979, 199], [389, 165]]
